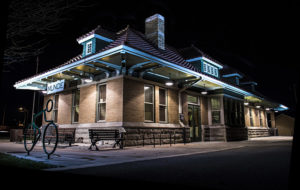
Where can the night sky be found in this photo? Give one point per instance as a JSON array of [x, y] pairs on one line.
[[252, 37]]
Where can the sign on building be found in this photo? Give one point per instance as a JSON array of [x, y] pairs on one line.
[[56, 86]]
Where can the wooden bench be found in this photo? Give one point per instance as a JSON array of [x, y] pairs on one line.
[[66, 135], [106, 134]]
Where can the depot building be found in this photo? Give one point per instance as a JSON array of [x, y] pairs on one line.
[[135, 82]]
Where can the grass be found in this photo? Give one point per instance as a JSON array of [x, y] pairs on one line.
[[12, 161]]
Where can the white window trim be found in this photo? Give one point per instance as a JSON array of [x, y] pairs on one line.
[[212, 70], [55, 109], [74, 106], [166, 105], [97, 102], [152, 103], [87, 52]]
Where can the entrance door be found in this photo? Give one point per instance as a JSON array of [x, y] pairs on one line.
[[194, 122]]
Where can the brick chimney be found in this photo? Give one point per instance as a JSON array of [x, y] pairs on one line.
[[155, 30]]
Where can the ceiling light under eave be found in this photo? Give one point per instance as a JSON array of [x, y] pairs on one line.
[[246, 103], [204, 92], [257, 106], [88, 80], [169, 83]]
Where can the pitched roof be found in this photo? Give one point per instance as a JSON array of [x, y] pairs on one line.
[[194, 52], [101, 31], [138, 40]]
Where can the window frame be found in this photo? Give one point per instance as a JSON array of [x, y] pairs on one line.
[[149, 103], [73, 107], [215, 110], [163, 105], [260, 118], [55, 109], [99, 102], [89, 44], [251, 117]]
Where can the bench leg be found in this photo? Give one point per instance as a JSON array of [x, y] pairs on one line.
[[93, 144]]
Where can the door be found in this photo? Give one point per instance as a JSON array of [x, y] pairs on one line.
[[194, 122]]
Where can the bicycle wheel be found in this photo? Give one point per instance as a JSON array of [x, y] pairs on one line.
[[31, 136], [50, 139]]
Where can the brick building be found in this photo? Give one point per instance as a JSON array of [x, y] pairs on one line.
[[136, 82]]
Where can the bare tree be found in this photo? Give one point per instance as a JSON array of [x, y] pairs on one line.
[[29, 22]]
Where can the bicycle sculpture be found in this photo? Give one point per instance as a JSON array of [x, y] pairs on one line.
[[32, 133]]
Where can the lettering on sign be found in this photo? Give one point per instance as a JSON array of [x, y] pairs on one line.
[[55, 86]]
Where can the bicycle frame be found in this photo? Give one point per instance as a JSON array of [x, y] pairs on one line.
[[35, 127]]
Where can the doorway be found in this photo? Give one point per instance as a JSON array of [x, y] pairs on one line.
[[194, 122]]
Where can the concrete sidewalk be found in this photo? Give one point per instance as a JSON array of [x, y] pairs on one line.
[[78, 156]]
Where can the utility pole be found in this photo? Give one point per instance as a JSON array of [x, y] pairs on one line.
[[33, 102]]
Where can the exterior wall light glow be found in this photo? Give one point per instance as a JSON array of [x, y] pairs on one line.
[[169, 83], [88, 80]]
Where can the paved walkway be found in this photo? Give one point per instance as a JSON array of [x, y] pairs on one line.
[[78, 156]]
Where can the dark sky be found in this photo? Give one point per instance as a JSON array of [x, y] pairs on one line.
[[255, 38]]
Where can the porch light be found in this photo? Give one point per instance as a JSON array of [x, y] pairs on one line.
[[257, 106], [88, 80], [169, 83], [267, 109], [44, 92], [246, 103]]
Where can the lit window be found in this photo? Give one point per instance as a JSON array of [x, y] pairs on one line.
[[75, 106], [88, 48], [210, 69], [101, 103], [55, 108], [216, 110], [260, 118], [250, 116], [149, 103], [162, 105]]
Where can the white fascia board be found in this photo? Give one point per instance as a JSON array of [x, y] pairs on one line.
[[94, 36], [179, 68], [71, 65], [194, 59]]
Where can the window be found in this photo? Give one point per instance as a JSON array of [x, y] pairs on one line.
[[260, 118], [251, 117], [88, 48], [192, 99], [149, 103], [75, 106], [55, 108], [215, 110], [204, 67], [101, 103], [210, 69], [163, 105]]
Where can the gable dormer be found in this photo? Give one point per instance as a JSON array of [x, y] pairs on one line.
[[201, 61], [250, 85], [233, 78], [206, 66], [95, 40]]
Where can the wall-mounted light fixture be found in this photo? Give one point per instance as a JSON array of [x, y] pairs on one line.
[[169, 82], [204, 92]]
